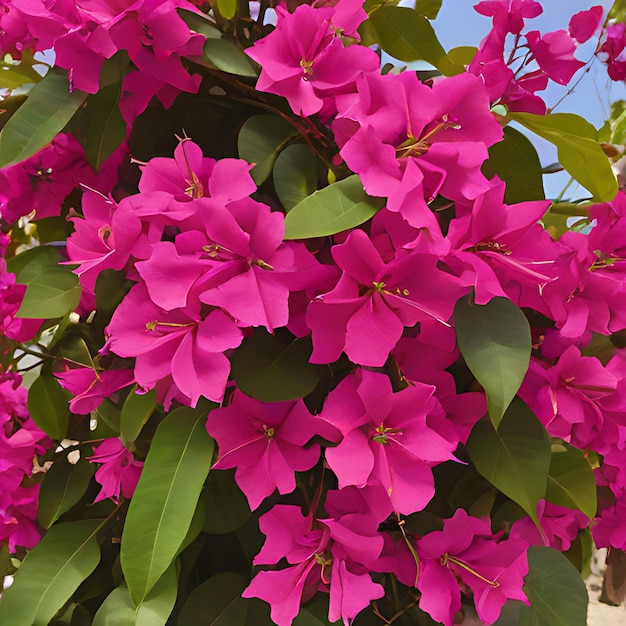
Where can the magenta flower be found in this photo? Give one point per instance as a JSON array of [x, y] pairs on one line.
[[119, 471], [266, 442], [365, 314], [467, 551], [305, 60], [612, 51], [386, 438]]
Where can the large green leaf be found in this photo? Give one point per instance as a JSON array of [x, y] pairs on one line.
[[516, 162], [50, 573], [63, 486], [428, 8], [17, 73], [338, 207], [30, 263], [267, 369], [223, 54], [49, 107], [118, 608], [48, 406], [408, 36], [200, 23], [52, 293], [515, 458], [556, 591], [102, 128], [165, 499], [260, 140], [135, 413], [571, 482], [495, 342], [224, 589], [578, 150], [295, 175]]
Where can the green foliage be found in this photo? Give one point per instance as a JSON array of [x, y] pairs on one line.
[[226, 508], [515, 458], [165, 499], [495, 342], [335, 208], [45, 113], [270, 370], [295, 175], [51, 573], [135, 413], [15, 74], [47, 405], [578, 150], [428, 8]]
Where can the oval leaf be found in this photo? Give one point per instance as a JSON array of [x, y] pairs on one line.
[[408, 36], [118, 608], [260, 140], [295, 175], [223, 54], [63, 486], [556, 591], [49, 107], [135, 413], [335, 208], [224, 589], [48, 406], [515, 458], [269, 370], [165, 499], [428, 8], [577, 148], [571, 482], [516, 162], [52, 293], [50, 573], [495, 342]]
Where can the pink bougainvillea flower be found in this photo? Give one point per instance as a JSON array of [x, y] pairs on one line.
[[266, 442], [304, 59], [509, 15], [11, 296], [119, 471], [584, 24], [181, 343], [612, 51], [409, 142], [386, 438], [365, 314], [554, 53], [467, 551], [91, 386]]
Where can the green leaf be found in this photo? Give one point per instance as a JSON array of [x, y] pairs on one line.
[[515, 458], [18, 73], [462, 55], [135, 413], [49, 107], [295, 175], [118, 608], [224, 589], [227, 8], [50, 573], [102, 128], [269, 370], [165, 499], [577, 148], [64, 485], [516, 162], [340, 206], [52, 293], [260, 140], [556, 591], [226, 508], [495, 342], [29, 263], [48, 406], [408, 36], [428, 8], [223, 54], [571, 482], [199, 23]]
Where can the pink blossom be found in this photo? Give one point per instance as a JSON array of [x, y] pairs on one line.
[[554, 52], [119, 471], [267, 443], [509, 15], [466, 550], [612, 51], [584, 24]]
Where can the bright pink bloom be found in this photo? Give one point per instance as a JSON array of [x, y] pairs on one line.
[[119, 471], [305, 60], [612, 51], [584, 24], [467, 551], [554, 53], [11, 296], [509, 15], [267, 443], [386, 438]]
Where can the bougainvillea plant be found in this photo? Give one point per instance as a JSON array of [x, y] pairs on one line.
[[290, 334]]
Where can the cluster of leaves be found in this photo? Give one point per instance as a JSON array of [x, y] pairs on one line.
[[303, 300]]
